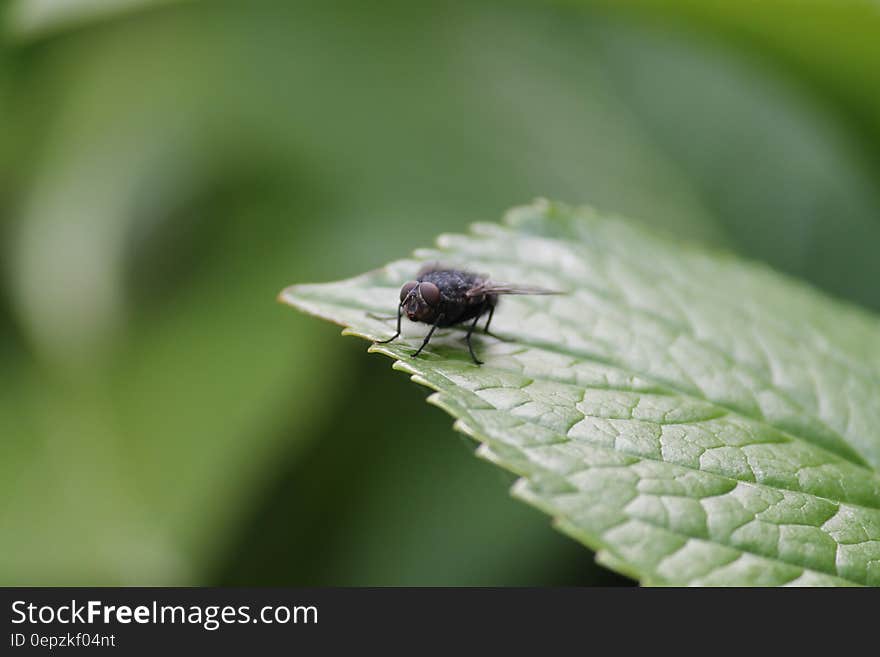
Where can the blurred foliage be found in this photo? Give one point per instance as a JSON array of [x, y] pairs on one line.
[[164, 172], [832, 46], [26, 19]]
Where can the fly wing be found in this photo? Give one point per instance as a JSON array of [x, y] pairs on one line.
[[495, 287]]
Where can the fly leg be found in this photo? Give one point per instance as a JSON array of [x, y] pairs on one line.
[[399, 314], [468, 337], [488, 322], [428, 337]]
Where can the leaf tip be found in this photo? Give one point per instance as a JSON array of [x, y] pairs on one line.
[[286, 296]]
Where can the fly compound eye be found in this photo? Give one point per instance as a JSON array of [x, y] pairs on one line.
[[430, 293], [406, 289]]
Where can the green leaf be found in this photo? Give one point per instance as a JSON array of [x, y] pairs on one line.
[[693, 418]]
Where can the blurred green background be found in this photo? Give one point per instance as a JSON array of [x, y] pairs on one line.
[[167, 167]]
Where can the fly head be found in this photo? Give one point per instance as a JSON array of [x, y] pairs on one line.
[[420, 301]]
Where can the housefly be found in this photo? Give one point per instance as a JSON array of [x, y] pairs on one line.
[[443, 296]]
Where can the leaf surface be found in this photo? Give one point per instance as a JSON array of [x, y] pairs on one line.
[[695, 419]]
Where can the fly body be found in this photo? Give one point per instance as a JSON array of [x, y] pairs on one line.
[[443, 296]]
